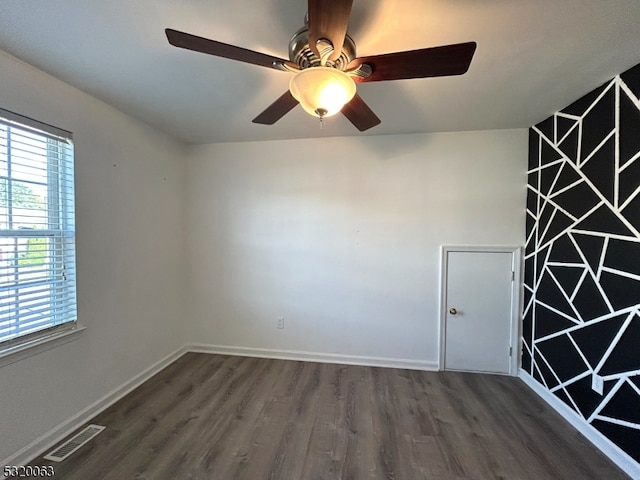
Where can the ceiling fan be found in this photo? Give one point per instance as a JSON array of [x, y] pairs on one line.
[[323, 57]]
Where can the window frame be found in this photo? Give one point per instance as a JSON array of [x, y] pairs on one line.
[[55, 327]]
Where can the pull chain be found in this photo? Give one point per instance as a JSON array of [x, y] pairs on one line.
[[321, 112]]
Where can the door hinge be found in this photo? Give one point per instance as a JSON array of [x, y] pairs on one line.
[[513, 275], [510, 351]]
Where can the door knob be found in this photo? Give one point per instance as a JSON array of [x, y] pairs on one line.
[[453, 311]]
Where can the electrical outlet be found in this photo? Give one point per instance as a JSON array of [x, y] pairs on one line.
[[280, 323], [597, 384]]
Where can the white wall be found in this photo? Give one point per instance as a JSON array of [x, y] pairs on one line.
[[129, 197], [341, 236]]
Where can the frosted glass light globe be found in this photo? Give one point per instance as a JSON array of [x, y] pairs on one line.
[[322, 91]]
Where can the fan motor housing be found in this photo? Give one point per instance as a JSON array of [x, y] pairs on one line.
[[300, 52]]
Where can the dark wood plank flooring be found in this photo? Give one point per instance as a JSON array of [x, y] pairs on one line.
[[226, 418]]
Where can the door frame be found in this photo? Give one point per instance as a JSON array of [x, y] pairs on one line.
[[516, 297]]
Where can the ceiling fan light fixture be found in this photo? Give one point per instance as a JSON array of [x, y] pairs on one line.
[[322, 91]]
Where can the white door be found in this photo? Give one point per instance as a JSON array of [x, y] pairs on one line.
[[478, 310]]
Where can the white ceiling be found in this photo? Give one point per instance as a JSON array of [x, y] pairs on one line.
[[533, 58]]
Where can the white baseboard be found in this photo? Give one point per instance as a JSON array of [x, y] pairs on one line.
[[606, 446], [61, 431], [387, 362]]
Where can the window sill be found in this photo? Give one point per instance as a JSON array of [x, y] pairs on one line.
[[21, 351]]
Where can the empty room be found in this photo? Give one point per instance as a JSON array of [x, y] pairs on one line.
[[323, 239]]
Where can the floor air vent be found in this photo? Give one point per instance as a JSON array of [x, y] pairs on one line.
[[74, 443]]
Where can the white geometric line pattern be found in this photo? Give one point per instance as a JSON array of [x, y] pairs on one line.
[[582, 260]]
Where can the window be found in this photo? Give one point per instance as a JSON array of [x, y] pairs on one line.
[[37, 232]]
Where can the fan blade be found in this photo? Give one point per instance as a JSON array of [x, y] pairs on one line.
[[359, 113], [219, 49], [277, 109], [426, 62], [328, 19]]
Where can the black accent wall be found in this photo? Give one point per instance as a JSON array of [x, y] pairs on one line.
[[582, 261]]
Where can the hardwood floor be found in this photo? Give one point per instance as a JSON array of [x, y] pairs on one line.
[[221, 417]]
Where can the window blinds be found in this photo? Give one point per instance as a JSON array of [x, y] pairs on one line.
[[37, 231]]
